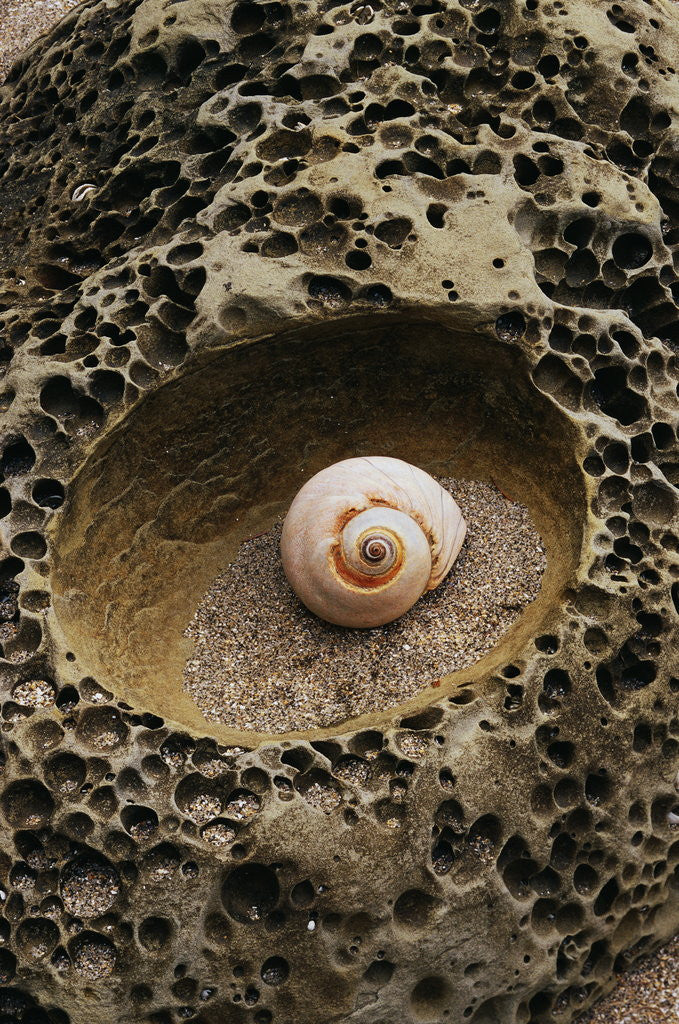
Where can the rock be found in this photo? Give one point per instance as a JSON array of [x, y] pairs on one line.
[[240, 242]]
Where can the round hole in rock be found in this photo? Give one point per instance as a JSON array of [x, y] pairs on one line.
[[30, 544], [215, 457], [429, 998], [250, 892], [632, 250], [48, 493]]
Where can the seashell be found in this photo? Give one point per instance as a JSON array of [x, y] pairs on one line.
[[364, 538], [83, 191]]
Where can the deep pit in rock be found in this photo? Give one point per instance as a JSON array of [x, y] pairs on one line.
[[217, 456]]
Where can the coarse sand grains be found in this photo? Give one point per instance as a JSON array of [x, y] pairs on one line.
[[646, 994], [22, 21], [262, 661]]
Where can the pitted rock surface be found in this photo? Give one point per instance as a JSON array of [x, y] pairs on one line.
[[240, 241]]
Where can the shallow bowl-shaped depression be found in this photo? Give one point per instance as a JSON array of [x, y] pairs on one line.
[[164, 501]]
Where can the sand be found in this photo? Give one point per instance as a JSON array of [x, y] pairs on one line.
[[22, 21], [646, 994], [262, 661]]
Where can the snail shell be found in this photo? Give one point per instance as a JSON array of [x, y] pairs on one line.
[[83, 191], [364, 538]]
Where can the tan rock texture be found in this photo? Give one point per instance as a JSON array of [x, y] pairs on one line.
[[445, 231]]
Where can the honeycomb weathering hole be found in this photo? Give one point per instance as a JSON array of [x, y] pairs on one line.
[[164, 503]]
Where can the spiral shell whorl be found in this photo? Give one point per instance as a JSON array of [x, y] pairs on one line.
[[375, 552], [401, 558], [378, 551], [364, 539]]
